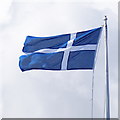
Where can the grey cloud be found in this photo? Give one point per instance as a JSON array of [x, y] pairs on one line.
[[53, 94]]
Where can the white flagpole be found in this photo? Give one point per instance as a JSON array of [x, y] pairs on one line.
[[107, 73]]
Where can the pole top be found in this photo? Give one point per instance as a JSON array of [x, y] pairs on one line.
[[105, 18]]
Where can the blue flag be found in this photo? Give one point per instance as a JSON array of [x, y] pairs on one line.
[[62, 52]]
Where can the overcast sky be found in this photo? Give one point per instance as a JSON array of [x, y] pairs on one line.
[[40, 93]]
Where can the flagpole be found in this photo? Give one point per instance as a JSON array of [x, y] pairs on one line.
[[107, 72]]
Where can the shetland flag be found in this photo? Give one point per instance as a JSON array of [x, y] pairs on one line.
[[62, 52]]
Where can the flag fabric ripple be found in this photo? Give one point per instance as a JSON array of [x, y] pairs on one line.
[[61, 52]]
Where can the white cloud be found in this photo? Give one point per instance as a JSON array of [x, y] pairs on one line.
[[54, 94], [4, 10]]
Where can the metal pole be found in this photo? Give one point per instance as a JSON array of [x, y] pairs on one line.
[[107, 73]]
